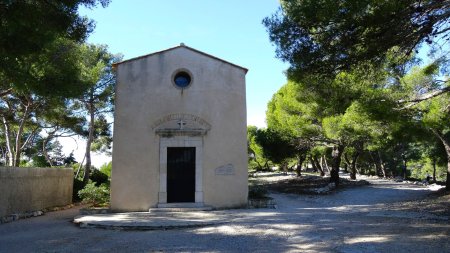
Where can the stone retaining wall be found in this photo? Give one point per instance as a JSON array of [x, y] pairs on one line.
[[30, 189]]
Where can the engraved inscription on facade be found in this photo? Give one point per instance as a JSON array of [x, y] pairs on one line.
[[227, 169], [178, 117]]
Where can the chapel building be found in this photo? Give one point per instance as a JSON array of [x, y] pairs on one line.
[[179, 132]]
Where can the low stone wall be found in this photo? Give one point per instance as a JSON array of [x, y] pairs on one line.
[[30, 189]]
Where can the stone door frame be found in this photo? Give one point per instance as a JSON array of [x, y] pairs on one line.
[[180, 141]]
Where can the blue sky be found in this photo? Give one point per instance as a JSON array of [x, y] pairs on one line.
[[230, 30]]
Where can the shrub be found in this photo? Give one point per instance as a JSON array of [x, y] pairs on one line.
[[96, 195], [77, 186], [106, 169], [99, 177], [39, 161], [257, 192]]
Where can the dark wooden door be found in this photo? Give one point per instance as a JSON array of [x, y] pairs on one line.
[[180, 174]]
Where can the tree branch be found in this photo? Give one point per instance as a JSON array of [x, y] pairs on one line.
[[5, 92], [30, 137], [423, 97]]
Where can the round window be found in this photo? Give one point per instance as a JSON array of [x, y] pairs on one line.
[[182, 79]]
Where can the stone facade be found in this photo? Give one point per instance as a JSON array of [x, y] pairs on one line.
[[154, 114]]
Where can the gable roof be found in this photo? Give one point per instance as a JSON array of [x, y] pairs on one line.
[[182, 45]]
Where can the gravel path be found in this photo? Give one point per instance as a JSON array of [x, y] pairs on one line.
[[352, 220]]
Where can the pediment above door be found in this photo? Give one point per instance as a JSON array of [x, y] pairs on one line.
[[181, 124]]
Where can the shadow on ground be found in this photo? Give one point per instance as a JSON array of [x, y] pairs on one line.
[[353, 220]]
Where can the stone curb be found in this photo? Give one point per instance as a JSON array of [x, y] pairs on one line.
[[147, 221], [145, 227], [89, 211], [18, 216], [30, 214], [262, 203]]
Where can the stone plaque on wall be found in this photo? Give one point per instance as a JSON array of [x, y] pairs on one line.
[[227, 169]]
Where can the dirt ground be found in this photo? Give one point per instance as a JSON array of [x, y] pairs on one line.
[[437, 203], [306, 184], [384, 216]]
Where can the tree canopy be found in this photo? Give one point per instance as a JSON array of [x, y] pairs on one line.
[[327, 36], [359, 120], [37, 51], [355, 63]]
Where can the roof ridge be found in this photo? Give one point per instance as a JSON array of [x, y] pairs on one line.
[[175, 47]]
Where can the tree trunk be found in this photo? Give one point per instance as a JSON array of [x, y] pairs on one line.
[[353, 166], [336, 162], [325, 164], [5, 92], [347, 162], [301, 159], [404, 168], [44, 149], [316, 164], [284, 166], [434, 170], [87, 169], [79, 167], [258, 165], [314, 167], [10, 151], [383, 168], [447, 151], [18, 148], [376, 163], [3, 154], [319, 166]]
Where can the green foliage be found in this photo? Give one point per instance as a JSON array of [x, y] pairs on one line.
[[106, 169], [256, 159], [95, 195], [39, 161], [77, 186], [38, 51], [436, 114], [326, 37], [276, 147], [254, 165], [332, 126], [355, 113], [55, 153], [70, 160], [103, 135], [354, 80], [422, 168], [292, 113], [82, 170], [43, 66], [97, 102], [99, 177]]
